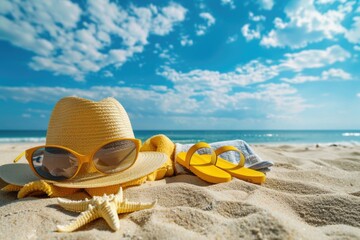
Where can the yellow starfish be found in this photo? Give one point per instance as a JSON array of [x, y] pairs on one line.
[[107, 207]]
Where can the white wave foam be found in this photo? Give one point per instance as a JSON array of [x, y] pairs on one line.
[[351, 134], [22, 140]]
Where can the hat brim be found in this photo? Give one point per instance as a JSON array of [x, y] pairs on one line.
[[146, 163], [17, 174]]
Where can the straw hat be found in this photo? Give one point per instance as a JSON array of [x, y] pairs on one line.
[[83, 125]]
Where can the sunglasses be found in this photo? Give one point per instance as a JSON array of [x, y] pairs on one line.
[[59, 163]]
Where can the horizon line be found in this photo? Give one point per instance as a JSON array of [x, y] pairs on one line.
[[339, 129]]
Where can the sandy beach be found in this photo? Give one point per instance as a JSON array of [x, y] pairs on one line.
[[311, 193]]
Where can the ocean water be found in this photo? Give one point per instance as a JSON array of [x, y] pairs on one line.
[[192, 136]]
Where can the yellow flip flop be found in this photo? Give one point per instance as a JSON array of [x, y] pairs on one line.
[[238, 171], [200, 165]]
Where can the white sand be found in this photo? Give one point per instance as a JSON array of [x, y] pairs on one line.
[[311, 193]]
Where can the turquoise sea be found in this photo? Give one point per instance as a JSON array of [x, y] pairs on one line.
[[192, 136]]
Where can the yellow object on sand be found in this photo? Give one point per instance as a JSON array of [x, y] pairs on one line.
[[238, 171], [158, 143], [202, 166], [83, 126], [161, 143], [106, 206]]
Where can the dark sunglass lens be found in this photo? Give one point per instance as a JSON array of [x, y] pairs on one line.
[[116, 156], [54, 163]]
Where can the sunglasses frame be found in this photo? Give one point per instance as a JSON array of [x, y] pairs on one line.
[[81, 158]]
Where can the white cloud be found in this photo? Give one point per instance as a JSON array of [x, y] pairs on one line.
[[353, 34], [186, 41], [325, 1], [208, 85], [179, 101], [266, 4], [256, 18], [301, 79], [250, 73], [232, 39], [188, 92], [279, 24], [229, 3], [208, 17], [41, 15], [314, 58], [135, 100], [159, 88], [200, 30], [30, 112], [210, 20], [52, 30], [335, 73], [250, 34], [358, 95], [357, 48], [284, 96], [166, 53], [108, 74], [163, 23], [306, 25], [25, 32], [331, 74], [256, 72]]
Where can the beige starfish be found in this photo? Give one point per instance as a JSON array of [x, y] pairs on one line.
[[107, 207]]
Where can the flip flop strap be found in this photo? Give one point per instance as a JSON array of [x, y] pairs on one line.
[[193, 150], [223, 149]]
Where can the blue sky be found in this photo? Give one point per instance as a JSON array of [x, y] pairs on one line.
[[224, 64]]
